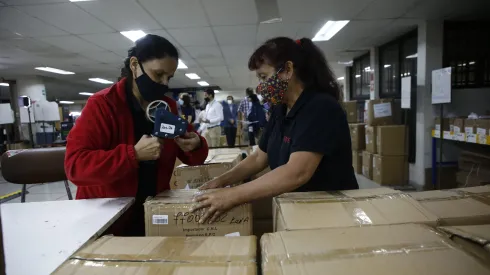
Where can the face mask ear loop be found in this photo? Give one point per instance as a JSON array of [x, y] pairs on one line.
[[141, 67]]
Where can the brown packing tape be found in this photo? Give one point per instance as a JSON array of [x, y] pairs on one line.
[[168, 249]]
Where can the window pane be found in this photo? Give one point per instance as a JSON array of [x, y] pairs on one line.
[[390, 71]]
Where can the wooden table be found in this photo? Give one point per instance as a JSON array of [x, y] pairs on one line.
[[40, 236]]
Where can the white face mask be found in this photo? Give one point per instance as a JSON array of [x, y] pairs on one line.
[[230, 101]]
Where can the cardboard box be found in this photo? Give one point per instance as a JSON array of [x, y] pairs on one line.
[[477, 190], [483, 127], [379, 112], [447, 124], [298, 214], [474, 239], [224, 151], [192, 177], [357, 161], [351, 111], [168, 214], [390, 140], [164, 256], [367, 164], [358, 136], [453, 208], [371, 144], [469, 179], [390, 170], [378, 250], [458, 125], [470, 126]]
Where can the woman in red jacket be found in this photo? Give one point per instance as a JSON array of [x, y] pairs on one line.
[[110, 152]]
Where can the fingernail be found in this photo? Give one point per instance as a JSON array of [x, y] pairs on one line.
[[201, 221]]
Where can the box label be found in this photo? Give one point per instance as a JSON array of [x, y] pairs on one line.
[[382, 109], [468, 130], [456, 129], [437, 134], [167, 128], [447, 135], [160, 219], [459, 137], [481, 131], [471, 138], [438, 127], [367, 139], [482, 139]]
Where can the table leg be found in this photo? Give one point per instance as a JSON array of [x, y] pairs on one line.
[[68, 191], [23, 193]]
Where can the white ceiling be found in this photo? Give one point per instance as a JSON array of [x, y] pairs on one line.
[[215, 37]]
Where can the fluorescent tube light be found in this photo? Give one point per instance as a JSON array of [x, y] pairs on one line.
[[340, 78], [216, 91], [367, 69], [412, 56], [181, 65], [387, 65], [329, 30], [4, 84], [193, 76], [471, 62], [203, 83], [84, 93], [347, 63], [66, 102], [81, 0], [134, 35], [100, 80], [358, 75], [53, 70]]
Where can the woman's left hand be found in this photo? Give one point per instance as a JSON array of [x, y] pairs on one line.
[[189, 142], [216, 202]]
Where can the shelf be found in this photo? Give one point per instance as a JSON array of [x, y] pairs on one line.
[[471, 138]]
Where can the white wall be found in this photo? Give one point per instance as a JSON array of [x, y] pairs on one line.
[[32, 87], [465, 101]]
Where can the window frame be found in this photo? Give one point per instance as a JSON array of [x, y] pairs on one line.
[[356, 92]]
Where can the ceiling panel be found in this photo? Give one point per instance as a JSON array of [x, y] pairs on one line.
[[5, 34], [104, 57], [18, 22], [231, 12], [383, 9], [237, 55], [110, 41], [193, 36], [176, 13], [218, 71], [268, 31], [210, 61], [313, 10], [30, 2], [236, 35], [165, 35], [221, 81], [70, 43], [204, 52], [122, 15], [68, 17]]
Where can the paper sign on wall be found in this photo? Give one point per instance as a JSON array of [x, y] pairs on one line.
[[441, 86], [6, 114], [406, 92]]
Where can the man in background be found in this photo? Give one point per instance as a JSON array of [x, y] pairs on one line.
[[213, 118], [230, 112], [243, 112]]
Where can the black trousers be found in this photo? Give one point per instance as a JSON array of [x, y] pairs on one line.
[[230, 133]]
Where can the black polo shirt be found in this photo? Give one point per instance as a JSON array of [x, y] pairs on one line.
[[147, 171], [316, 123]]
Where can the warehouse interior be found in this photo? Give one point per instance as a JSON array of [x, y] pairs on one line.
[[414, 83]]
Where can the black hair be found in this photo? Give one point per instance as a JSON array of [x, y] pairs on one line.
[[147, 48], [187, 100], [209, 92], [254, 98], [309, 63], [230, 96], [249, 91]]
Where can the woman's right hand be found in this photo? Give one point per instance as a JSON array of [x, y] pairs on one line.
[[212, 184], [148, 148]]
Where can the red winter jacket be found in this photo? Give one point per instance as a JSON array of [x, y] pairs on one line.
[[100, 157]]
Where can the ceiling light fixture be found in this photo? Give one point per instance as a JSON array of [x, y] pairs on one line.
[[193, 76], [101, 80], [4, 84], [81, 0], [471, 62], [84, 93], [387, 65], [181, 65], [272, 20], [66, 102], [341, 78], [216, 91], [53, 70], [329, 30], [358, 75], [367, 69], [412, 56], [203, 83], [347, 63], [134, 35]]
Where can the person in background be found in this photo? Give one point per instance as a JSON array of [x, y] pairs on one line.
[[188, 112], [197, 108], [256, 118], [306, 142], [230, 113], [110, 152], [243, 112], [213, 118]]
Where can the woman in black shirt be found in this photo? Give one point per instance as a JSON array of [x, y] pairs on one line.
[[306, 142]]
